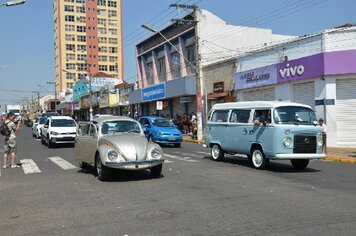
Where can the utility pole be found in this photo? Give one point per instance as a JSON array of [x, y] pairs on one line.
[[201, 105]]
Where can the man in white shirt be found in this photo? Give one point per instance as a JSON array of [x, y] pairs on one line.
[[324, 130]]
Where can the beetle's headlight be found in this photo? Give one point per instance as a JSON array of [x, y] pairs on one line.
[[156, 153], [112, 155], [287, 141], [319, 141], [54, 133]]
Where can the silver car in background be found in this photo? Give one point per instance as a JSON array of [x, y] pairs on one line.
[[36, 127], [116, 142]]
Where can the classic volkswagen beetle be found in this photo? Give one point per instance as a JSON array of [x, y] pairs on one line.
[[116, 142]]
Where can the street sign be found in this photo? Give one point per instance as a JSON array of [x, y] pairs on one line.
[[159, 105]]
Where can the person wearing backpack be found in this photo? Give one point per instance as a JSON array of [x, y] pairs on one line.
[[10, 140]]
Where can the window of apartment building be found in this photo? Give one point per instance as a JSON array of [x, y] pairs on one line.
[[113, 49], [175, 59], [68, 0], [161, 69], [69, 28], [82, 66], [69, 18], [101, 21], [113, 59], [102, 40], [80, 9], [81, 76], [70, 47], [112, 3], [113, 40], [68, 8], [103, 67], [70, 75], [81, 57], [70, 56], [101, 12], [81, 38], [70, 66], [103, 58], [102, 3], [149, 73], [113, 31], [112, 22], [191, 59], [70, 37], [81, 48], [80, 1], [103, 49], [81, 28], [113, 68], [81, 19], [70, 85], [112, 13], [101, 30]]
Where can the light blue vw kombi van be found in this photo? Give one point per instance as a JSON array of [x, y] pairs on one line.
[[264, 131]]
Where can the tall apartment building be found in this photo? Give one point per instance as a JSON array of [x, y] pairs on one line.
[[87, 40]]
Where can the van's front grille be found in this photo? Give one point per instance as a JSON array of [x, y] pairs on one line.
[[304, 144]]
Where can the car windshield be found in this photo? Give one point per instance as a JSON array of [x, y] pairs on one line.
[[42, 120], [294, 115], [62, 123], [119, 126], [162, 123]]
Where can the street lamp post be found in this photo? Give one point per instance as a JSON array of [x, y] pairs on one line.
[[12, 3]]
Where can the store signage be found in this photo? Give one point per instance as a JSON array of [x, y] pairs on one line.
[[256, 77], [154, 92], [302, 68], [218, 87], [324, 102], [185, 99]]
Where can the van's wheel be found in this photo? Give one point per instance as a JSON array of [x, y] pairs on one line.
[[217, 153], [156, 171], [259, 160], [101, 170], [300, 164], [50, 144]]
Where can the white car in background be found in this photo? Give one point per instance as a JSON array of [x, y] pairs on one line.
[[36, 127], [58, 129]]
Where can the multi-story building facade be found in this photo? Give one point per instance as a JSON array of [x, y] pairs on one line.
[[87, 40]]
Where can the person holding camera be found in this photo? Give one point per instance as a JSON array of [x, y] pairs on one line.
[[13, 125]]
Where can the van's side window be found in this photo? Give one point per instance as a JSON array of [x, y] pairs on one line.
[[240, 116], [220, 116]]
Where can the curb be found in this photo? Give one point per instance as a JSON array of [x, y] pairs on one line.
[[341, 159], [336, 159]]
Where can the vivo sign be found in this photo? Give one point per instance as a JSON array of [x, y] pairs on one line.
[[289, 71]]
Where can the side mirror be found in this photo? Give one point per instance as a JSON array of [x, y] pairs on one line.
[[45, 126]]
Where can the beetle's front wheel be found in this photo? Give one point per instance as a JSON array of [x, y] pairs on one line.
[[101, 170]]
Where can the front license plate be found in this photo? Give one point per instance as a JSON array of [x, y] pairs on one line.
[[172, 139]]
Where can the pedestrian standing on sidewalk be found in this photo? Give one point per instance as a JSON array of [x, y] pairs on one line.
[[324, 130], [10, 139]]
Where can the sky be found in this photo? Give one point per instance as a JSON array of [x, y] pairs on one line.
[[27, 40]]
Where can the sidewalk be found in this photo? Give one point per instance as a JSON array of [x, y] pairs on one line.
[[347, 155]]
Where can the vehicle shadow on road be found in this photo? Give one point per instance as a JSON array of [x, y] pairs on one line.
[[272, 166], [122, 175]]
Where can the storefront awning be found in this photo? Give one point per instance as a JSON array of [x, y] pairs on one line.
[[217, 95]]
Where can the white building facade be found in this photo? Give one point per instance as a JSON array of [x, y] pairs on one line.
[[318, 70]]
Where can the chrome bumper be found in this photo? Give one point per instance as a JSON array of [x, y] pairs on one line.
[[134, 165], [299, 156]]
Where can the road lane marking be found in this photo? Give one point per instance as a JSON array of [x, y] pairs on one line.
[[65, 165], [204, 153], [187, 159], [29, 166], [168, 161]]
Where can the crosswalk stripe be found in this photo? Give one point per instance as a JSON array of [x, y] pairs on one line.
[[29, 166], [180, 158], [65, 165], [189, 154], [168, 161]]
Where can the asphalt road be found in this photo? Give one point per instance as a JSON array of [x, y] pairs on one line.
[[194, 196]]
